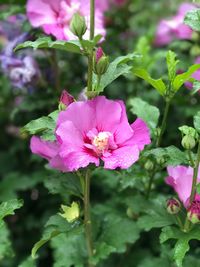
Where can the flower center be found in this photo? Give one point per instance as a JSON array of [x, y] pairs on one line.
[[101, 141]]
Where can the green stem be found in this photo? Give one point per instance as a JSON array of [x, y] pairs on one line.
[[190, 158], [186, 225], [87, 218], [90, 57], [195, 174], [179, 221], [163, 125], [151, 178]]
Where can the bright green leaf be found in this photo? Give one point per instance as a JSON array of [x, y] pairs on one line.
[[197, 121], [183, 77], [157, 84], [8, 207], [171, 64]]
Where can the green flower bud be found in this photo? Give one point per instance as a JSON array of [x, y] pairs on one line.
[[101, 62], [78, 25], [149, 165], [173, 206], [160, 160], [188, 142]]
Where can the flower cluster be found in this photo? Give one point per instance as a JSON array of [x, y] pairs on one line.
[[174, 28], [90, 131]]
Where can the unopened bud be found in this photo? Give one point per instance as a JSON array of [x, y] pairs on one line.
[[173, 206], [160, 160], [70, 213], [65, 100], [193, 213], [101, 62], [78, 25], [188, 142], [149, 165]]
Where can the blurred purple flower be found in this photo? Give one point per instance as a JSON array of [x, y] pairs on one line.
[[174, 28], [21, 69], [195, 75]]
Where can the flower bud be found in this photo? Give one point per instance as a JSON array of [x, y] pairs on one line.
[[193, 213], [71, 213], [101, 62], [188, 142], [65, 100], [160, 160], [173, 206], [149, 165], [78, 25]]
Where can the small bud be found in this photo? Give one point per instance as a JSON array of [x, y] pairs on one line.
[[157, 132], [149, 165], [160, 160], [188, 142], [101, 62], [78, 25], [71, 213], [173, 206], [193, 213], [65, 100]]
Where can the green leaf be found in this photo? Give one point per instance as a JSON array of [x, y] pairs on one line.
[[8, 207], [150, 114], [192, 19], [171, 64], [55, 226], [46, 42], [5, 243], [183, 77], [182, 244], [115, 232], [197, 122], [29, 262], [195, 87], [173, 156], [45, 125], [116, 68], [156, 215], [64, 184], [69, 250], [186, 130], [157, 84]]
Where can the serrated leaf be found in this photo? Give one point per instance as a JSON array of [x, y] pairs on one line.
[[182, 244], [171, 64], [116, 68], [158, 84], [150, 114], [46, 42], [102, 251], [5, 243], [183, 77], [192, 19], [156, 215], [55, 226], [69, 250], [8, 207], [172, 155], [197, 121]]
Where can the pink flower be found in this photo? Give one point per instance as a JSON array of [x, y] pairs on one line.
[[180, 178], [174, 28], [54, 16], [94, 130]]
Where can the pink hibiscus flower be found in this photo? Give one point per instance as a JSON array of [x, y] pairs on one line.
[[54, 16], [180, 178], [174, 28], [94, 130]]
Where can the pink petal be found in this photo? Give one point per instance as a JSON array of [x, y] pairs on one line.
[[122, 158]]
